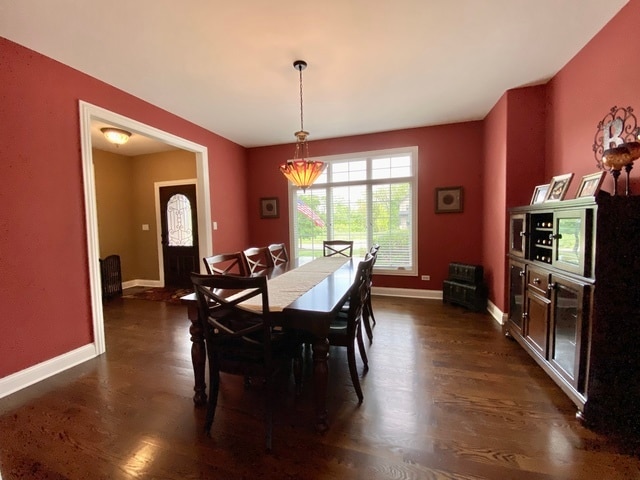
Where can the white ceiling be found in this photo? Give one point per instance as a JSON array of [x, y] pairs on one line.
[[373, 65]]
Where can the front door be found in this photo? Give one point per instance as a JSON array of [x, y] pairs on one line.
[[179, 234]]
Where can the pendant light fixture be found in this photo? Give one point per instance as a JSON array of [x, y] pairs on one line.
[[302, 171]]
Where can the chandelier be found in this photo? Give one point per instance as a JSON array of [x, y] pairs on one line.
[[302, 171]]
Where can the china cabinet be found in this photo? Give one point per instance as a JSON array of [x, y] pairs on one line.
[[574, 301]]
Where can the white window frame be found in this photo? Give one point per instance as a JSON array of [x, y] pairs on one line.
[[413, 180]]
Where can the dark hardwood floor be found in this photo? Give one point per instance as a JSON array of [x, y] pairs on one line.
[[446, 397]]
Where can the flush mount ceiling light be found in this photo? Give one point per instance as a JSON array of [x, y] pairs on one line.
[[302, 171], [116, 136]]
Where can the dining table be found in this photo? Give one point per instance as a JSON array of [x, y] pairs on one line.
[[304, 295]]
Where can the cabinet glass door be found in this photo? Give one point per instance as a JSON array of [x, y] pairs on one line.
[[516, 293], [567, 328], [570, 243], [517, 234]]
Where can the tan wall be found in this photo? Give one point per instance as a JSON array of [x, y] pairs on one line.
[[114, 194], [126, 200], [147, 169]]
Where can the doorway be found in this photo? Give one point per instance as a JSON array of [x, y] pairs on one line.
[[90, 113], [179, 234]]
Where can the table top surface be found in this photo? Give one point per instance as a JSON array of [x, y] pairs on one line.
[[314, 309]]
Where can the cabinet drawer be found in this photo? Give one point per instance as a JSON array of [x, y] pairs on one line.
[[538, 281]]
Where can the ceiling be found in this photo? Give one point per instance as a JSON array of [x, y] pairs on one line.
[[373, 66]]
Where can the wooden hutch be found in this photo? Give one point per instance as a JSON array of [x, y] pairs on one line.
[[574, 301]]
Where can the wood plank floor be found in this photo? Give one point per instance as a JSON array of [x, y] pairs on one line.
[[446, 397]]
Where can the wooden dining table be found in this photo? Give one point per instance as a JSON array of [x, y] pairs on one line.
[[315, 305]]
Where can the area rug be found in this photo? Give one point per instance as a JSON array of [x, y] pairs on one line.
[[161, 294]]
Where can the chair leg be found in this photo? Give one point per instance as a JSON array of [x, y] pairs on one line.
[[269, 383], [363, 352], [366, 315], [214, 386], [370, 309], [297, 369], [351, 356]]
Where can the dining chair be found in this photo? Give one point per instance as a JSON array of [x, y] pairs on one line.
[[337, 247], [225, 264], [257, 260], [346, 329], [242, 342], [368, 319], [278, 253]]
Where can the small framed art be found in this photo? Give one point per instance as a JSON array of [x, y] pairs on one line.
[[558, 187], [449, 199], [269, 207], [590, 184], [539, 194]]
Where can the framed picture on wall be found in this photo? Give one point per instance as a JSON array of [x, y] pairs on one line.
[[269, 207], [590, 184], [539, 194], [558, 187], [449, 199]]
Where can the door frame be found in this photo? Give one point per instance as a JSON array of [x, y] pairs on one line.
[[89, 113], [156, 189]]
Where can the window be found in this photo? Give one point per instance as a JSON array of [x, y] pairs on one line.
[[180, 229], [365, 197]]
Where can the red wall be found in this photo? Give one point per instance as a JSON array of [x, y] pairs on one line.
[[449, 155], [603, 74], [494, 195], [45, 307]]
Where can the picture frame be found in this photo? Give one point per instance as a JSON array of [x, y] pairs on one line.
[[269, 207], [558, 187], [539, 194], [590, 184], [449, 199]]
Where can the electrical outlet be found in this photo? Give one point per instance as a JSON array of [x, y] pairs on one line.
[[426, 277]]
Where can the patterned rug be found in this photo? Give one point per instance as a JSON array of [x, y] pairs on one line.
[[161, 294]]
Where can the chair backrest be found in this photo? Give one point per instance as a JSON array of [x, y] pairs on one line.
[[229, 327], [373, 251], [225, 264], [359, 290], [337, 247], [257, 260], [278, 253]]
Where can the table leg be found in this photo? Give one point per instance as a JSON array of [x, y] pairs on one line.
[[320, 378], [198, 356]]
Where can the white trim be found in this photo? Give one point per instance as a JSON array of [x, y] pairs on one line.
[[142, 283], [29, 376], [407, 293], [412, 179], [497, 314], [89, 113]]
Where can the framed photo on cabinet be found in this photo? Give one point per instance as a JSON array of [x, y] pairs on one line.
[[558, 187], [590, 185], [269, 207], [539, 194]]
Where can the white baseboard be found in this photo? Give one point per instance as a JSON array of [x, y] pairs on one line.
[[407, 293], [142, 283], [497, 314], [41, 371]]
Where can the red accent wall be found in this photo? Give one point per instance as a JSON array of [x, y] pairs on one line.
[[603, 74], [514, 160], [449, 155], [45, 307]]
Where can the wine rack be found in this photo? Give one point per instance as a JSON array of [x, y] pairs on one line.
[[541, 241]]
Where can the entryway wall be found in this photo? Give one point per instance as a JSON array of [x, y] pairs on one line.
[[125, 198]]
